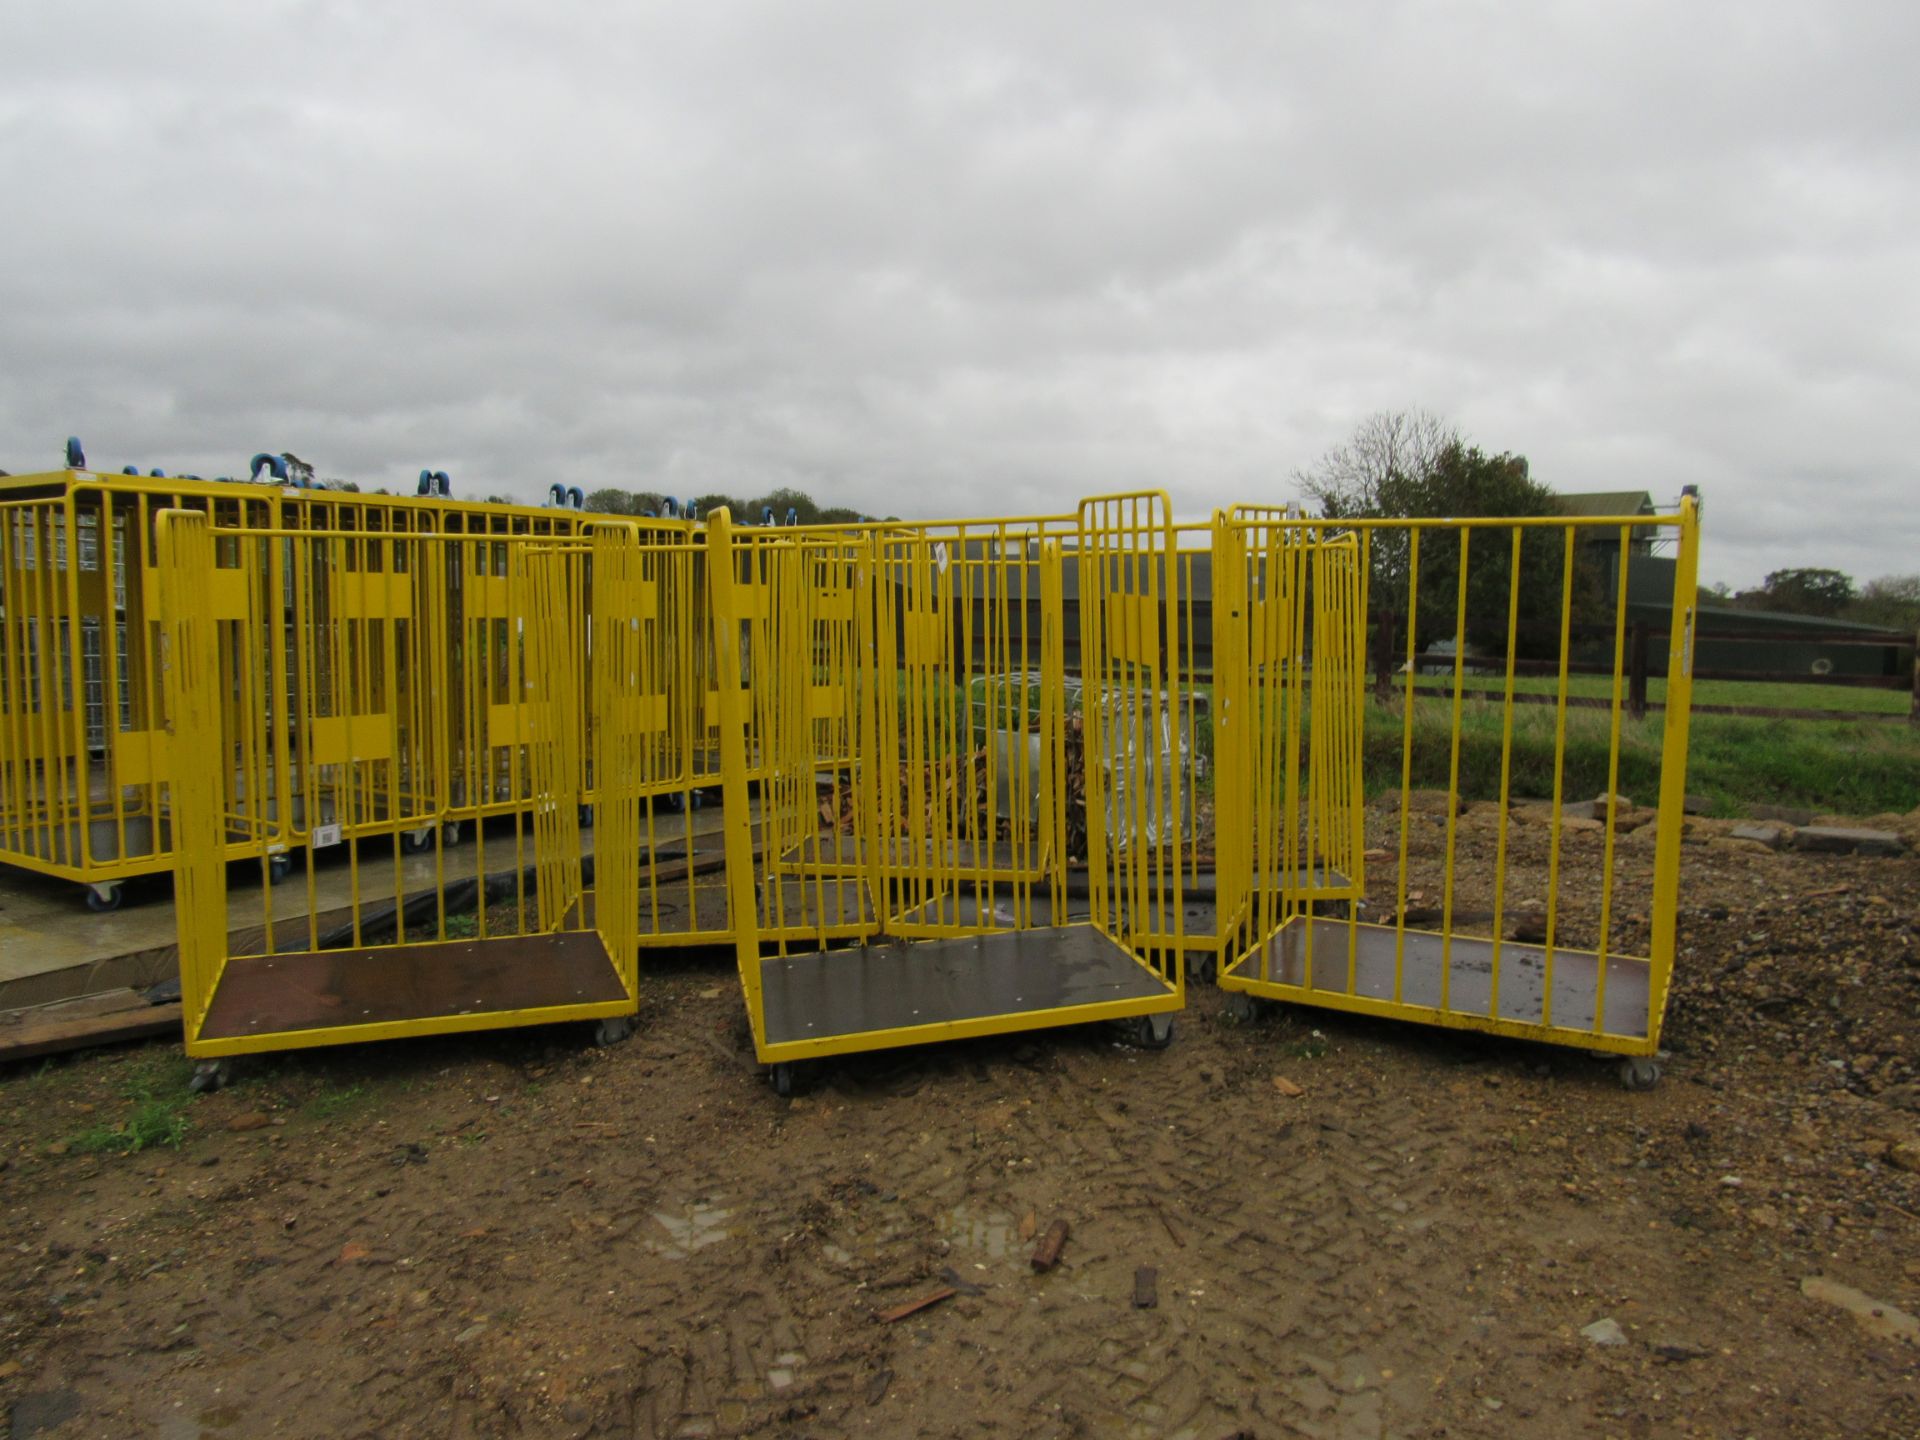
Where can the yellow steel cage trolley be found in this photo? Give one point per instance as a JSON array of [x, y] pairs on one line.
[[504, 931], [1499, 616], [978, 776], [85, 750], [916, 756]]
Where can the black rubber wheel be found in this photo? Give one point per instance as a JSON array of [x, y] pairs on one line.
[[278, 868], [1240, 1007], [416, 842], [1639, 1072], [209, 1076], [783, 1078], [612, 1030], [106, 900]]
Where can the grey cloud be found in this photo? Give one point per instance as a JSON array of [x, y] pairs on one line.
[[938, 259]]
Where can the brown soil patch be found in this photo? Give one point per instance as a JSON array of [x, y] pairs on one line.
[[519, 1235]]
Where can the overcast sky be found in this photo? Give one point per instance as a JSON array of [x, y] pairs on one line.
[[946, 259]]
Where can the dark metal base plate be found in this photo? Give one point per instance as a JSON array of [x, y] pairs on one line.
[[842, 993], [1358, 960], [311, 990]]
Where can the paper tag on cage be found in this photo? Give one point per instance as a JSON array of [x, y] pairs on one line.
[[940, 556], [323, 836]]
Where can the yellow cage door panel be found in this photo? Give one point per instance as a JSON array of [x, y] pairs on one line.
[[378, 595], [141, 757], [349, 739], [229, 592], [509, 725]]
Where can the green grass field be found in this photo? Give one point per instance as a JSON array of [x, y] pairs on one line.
[[1849, 767], [1767, 695]]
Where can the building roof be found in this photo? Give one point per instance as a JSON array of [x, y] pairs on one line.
[[1607, 502], [1738, 617]]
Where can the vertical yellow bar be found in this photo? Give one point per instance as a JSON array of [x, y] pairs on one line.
[[1673, 765], [1559, 773], [189, 670], [1506, 769], [733, 763], [1613, 782], [1453, 773]]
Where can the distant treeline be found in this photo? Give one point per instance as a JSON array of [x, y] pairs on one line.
[[786, 504]]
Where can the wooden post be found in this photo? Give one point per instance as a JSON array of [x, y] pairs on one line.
[[1913, 711], [1637, 673]]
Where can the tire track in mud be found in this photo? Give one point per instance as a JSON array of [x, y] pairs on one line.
[[1291, 1257]]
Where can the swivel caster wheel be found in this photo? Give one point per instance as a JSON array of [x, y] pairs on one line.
[[278, 868], [785, 1082], [612, 1030], [416, 842], [1640, 1072], [106, 898], [209, 1076], [1240, 1007], [450, 832], [1150, 1032]]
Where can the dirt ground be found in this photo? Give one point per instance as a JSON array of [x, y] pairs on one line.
[[518, 1234]]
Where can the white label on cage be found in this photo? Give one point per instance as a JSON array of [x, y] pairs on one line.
[[323, 836], [940, 556]]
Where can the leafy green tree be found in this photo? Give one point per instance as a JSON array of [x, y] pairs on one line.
[[1465, 482], [610, 501], [1392, 470], [1892, 601], [1803, 591]]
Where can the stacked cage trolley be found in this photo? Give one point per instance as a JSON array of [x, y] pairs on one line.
[[85, 749], [977, 776]]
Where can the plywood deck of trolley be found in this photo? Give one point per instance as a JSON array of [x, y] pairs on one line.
[[53, 949]]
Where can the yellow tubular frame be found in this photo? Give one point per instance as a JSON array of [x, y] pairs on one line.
[[349, 596], [1257, 922], [49, 757], [930, 597], [605, 660]]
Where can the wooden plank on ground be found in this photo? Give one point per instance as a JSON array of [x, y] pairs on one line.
[[81, 1007], [33, 1038]]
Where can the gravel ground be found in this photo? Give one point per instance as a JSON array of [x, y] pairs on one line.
[[518, 1234]]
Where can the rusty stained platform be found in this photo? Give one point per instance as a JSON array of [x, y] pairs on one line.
[[1338, 946], [317, 989], [841, 993]]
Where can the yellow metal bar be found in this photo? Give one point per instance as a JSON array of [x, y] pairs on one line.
[[189, 670], [1506, 767], [733, 761], [1663, 919], [1614, 716], [1453, 771]]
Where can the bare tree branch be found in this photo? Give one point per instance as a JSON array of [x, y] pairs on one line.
[[1407, 444]]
